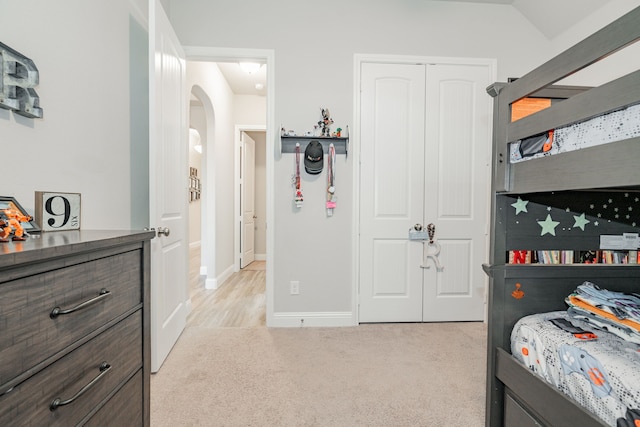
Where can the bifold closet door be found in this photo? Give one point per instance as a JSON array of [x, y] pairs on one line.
[[424, 140], [391, 191]]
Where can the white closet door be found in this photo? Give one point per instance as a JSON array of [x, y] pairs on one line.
[[391, 191], [424, 159], [457, 199]]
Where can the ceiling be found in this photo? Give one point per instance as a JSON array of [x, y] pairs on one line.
[[550, 17], [243, 83]]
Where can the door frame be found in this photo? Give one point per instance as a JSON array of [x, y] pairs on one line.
[[237, 212], [354, 140], [267, 56]]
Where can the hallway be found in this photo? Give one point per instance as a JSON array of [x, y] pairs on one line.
[[239, 302]]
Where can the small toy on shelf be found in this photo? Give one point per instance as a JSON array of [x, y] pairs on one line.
[[10, 222], [337, 133], [325, 123]]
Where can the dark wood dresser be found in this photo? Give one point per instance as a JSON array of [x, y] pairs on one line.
[[74, 329]]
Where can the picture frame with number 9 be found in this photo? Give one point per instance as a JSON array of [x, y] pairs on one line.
[[58, 211]]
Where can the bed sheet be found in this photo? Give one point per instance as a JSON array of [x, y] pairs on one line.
[[602, 375], [610, 127]]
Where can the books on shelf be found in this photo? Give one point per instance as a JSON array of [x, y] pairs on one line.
[[572, 257]]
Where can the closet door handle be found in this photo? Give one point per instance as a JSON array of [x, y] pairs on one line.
[[56, 403], [57, 311]]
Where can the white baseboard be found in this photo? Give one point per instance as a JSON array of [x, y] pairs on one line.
[[225, 275], [211, 284], [260, 257], [203, 270], [216, 282], [312, 319]]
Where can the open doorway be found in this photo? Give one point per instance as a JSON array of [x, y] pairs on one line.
[[251, 232], [215, 110]]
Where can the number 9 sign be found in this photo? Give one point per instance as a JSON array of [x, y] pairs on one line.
[[57, 211]]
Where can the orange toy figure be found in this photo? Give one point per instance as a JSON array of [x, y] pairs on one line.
[[12, 222]]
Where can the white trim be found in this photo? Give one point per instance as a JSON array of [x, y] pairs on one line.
[[236, 193], [228, 54], [408, 59], [354, 140], [194, 245], [313, 319], [225, 275], [203, 270], [216, 54], [211, 284], [261, 257], [219, 281]]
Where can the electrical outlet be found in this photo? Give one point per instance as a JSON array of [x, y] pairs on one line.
[[295, 287]]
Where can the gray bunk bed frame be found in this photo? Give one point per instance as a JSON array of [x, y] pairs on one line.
[[516, 397]]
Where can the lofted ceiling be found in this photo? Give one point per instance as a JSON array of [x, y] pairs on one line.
[[550, 17]]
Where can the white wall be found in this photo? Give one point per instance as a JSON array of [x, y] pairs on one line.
[[91, 93], [250, 110], [614, 66], [197, 121], [218, 178], [314, 51]]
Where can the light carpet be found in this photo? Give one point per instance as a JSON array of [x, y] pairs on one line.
[[429, 374]]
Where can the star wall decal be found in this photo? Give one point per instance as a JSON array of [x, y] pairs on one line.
[[520, 205], [548, 226], [581, 221]]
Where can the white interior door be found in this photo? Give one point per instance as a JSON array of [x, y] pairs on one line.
[[248, 184], [168, 186], [456, 197], [391, 191], [424, 153]]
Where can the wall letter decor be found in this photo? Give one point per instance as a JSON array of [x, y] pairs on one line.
[[19, 76]]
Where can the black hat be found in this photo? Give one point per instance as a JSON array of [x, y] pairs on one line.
[[313, 158]]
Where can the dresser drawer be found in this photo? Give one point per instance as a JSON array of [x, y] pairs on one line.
[[29, 403], [31, 333], [123, 409]]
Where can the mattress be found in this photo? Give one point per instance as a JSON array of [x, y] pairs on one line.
[[601, 374], [611, 127]]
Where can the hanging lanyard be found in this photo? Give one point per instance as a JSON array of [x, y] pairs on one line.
[[298, 194], [331, 175]]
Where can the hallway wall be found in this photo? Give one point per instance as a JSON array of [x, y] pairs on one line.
[[218, 178]]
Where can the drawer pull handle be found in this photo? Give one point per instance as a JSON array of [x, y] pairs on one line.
[[58, 311], [56, 403]]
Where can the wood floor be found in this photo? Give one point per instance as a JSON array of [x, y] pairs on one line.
[[239, 302]]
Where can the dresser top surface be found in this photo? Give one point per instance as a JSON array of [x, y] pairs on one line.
[[63, 243]]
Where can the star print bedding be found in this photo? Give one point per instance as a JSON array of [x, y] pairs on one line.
[[610, 127], [602, 374]]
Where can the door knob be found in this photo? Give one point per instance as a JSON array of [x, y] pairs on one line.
[[163, 230]]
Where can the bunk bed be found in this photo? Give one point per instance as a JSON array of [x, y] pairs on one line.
[[560, 202]]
